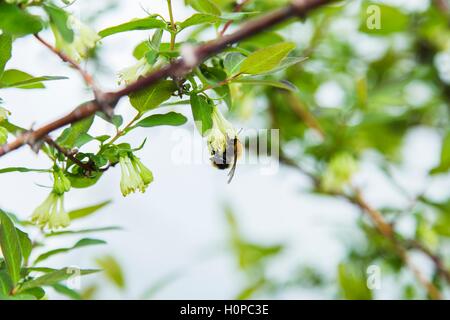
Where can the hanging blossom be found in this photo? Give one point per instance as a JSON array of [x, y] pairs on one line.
[[141, 68], [135, 176], [221, 134], [51, 212], [85, 39]]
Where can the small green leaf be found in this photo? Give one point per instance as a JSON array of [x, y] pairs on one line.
[[202, 112], [87, 211], [277, 84], [82, 243], [10, 245], [59, 18], [64, 290], [84, 231], [54, 277], [70, 135], [391, 20], [25, 244], [18, 79], [199, 18], [18, 22], [266, 59], [21, 169], [205, 6], [136, 24], [168, 119], [5, 51], [232, 62], [152, 97], [112, 270]]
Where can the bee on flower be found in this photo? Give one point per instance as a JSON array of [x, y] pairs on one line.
[[85, 39], [223, 143], [135, 175]]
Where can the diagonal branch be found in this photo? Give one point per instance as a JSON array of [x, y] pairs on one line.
[[86, 76], [177, 69]]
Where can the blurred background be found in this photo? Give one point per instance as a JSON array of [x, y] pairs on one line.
[[193, 236]]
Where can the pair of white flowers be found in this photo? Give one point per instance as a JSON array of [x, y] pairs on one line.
[[51, 212]]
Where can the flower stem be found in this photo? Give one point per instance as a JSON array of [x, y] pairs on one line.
[[173, 33]]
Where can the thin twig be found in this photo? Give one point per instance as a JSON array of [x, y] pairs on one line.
[[69, 154], [65, 58]]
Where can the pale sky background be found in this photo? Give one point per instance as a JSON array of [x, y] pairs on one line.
[[178, 224]]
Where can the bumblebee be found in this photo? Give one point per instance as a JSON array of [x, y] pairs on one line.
[[228, 158]]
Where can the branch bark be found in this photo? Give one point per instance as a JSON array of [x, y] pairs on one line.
[[177, 69]]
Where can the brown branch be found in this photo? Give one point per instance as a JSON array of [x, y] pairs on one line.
[[177, 69], [302, 112], [65, 58]]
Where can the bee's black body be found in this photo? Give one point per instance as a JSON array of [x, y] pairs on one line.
[[228, 159]]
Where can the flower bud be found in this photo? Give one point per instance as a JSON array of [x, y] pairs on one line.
[[339, 172], [61, 183], [4, 114]]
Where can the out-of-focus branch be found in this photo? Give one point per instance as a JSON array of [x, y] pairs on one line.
[[86, 76], [237, 8], [178, 69], [383, 227]]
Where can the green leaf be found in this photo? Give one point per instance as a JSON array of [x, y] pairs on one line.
[[444, 164], [391, 19], [64, 290], [152, 97], [277, 84], [87, 211], [352, 282], [17, 22], [18, 79], [202, 112], [232, 62], [266, 59], [5, 283], [136, 24], [84, 231], [10, 245], [59, 18], [52, 278], [286, 63], [25, 244], [168, 119], [112, 270], [5, 51], [21, 169], [199, 18], [82, 243], [81, 181], [205, 6], [70, 135]]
